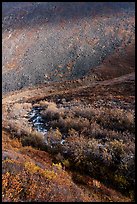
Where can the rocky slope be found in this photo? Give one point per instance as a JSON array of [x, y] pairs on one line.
[[57, 41]]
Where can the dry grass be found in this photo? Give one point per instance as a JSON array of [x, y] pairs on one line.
[[32, 176]]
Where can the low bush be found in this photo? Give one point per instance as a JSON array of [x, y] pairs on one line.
[[34, 139], [98, 141], [117, 119]]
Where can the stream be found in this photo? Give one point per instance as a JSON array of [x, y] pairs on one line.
[[40, 124]]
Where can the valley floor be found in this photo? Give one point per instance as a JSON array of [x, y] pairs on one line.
[[96, 161]]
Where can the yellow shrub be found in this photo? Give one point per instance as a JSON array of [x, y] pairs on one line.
[[49, 174], [121, 180], [32, 168], [66, 163], [59, 166]]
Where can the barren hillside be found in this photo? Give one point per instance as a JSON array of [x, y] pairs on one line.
[[44, 42]]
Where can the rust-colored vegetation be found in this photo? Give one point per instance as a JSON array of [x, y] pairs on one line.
[[91, 139], [68, 107], [30, 175]]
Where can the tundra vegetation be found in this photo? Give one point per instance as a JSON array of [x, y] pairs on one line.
[[92, 140], [68, 106]]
